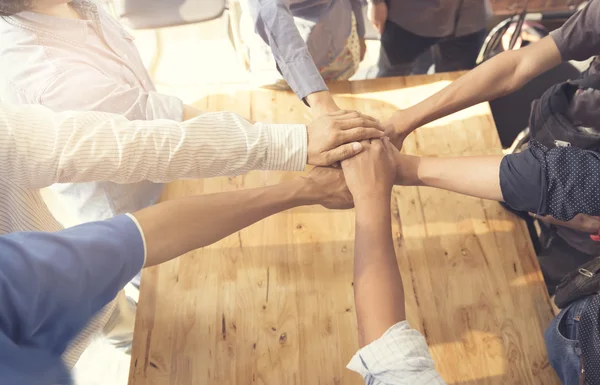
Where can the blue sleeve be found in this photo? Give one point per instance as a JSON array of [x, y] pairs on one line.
[[274, 23], [561, 182], [52, 284]]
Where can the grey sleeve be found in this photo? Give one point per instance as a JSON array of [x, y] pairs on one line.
[[579, 37], [274, 23]]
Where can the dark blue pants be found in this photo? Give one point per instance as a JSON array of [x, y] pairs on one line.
[[401, 48]]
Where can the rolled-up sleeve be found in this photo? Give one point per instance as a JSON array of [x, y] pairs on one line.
[[399, 357], [97, 92], [561, 182], [274, 22], [52, 285]]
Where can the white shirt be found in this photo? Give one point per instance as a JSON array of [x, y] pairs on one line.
[[83, 65], [399, 357], [39, 148]]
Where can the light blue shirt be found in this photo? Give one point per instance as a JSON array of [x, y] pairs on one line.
[[51, 285], [305, 35], [83, 65]]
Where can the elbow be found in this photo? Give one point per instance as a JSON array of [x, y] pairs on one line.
[[518, 73]]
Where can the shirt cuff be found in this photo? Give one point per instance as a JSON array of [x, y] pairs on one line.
[[161, 106], [134, 219], [400, 356], [287, 147], [303, 77]]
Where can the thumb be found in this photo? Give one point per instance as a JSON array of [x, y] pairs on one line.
[[342, 152]]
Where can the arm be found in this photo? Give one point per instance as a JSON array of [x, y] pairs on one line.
[[477, 176], [175, 227], [559, 182], [378, 291], [501, 75], [39, 147], [274, 22], [53, 283], [391, 352], [86, 89], [377, 13]]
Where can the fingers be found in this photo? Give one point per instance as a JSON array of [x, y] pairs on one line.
[[358, 134], [343, 152], [339, 113], [348, 124], [348, 115]]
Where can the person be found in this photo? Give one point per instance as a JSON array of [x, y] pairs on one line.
[[560, 181], [391, 352], [72, 55], [78, 270], [39, 148], [54, 283], [455, 30], [308, 42]]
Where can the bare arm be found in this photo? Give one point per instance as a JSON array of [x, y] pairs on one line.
[[477, 176], [175, 227], [501, 75], [378, 291]]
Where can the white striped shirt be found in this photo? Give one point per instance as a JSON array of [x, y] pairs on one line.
[[399, 357], [39, 147]]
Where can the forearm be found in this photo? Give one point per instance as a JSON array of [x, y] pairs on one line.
[[378, 291], [41, 147], [501, 75], [492, 79], [175, 227], [475, 176]]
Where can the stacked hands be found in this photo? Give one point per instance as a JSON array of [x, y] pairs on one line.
[[358, 143], [371, 163]]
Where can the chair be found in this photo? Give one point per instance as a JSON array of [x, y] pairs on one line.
[[156, 14]]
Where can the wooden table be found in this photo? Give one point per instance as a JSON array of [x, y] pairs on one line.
[[273, 304]]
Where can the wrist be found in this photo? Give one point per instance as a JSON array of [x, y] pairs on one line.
[[372, 200], [303, 192], [406, 121], [321, 103], [408, 170]]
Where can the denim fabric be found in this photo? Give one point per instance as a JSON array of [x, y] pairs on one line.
[[562, 344]]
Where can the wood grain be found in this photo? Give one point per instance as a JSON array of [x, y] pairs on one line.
[[510, 7], [273, 304]]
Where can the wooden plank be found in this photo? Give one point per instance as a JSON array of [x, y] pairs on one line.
[[273, 304], [509, 7]]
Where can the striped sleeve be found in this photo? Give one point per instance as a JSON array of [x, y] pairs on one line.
[[40, 147]]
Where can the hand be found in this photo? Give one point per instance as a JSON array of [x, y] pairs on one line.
[[371, 173], [336, 136], [580, 222], [377, 14], [363, 48], [327, 187]]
